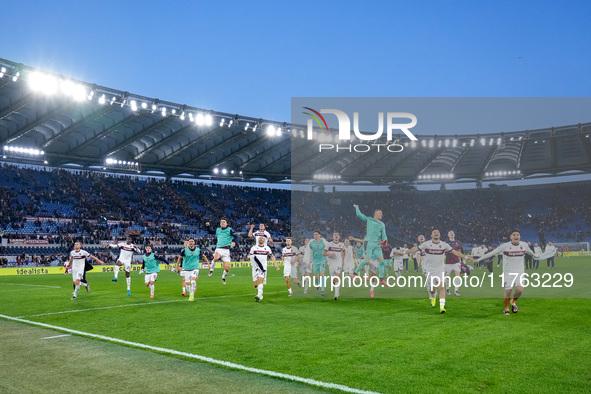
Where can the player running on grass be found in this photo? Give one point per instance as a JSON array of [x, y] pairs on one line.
[[258, 260], [375, 236], [225, 240], [349, 267], [434, 264], [289, 257], [306, 264], [151, 268], [78, 261], [335, 257], [373, 267], [452, 262], [261, 232], [315, 251], [513, 268], [127, 249], [190, 267]]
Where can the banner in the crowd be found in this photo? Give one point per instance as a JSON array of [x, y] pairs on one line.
[[44, 219], [25, 242]]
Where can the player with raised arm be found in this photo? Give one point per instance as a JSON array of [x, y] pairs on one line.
[[335, 256], [126, 251], [261, 232], [375, 236], [190, 267], [514, 253], [434, 264], [258, 256], [372, 269], [151, 268], [78, 261], [289, 257], [225, 240], [452, 262]]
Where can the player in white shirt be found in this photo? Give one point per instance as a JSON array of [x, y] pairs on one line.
[[349, 267], [550, 249], [335, 257], [261, 232], [397, 256], [513, 268], [434, 264], [126, 251], [305, 264], [289, 257], [258, 260], [78, 261]]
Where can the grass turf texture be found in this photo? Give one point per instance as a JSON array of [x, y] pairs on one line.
[[384, 344]]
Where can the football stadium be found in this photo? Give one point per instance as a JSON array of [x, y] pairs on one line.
[[148, 245]]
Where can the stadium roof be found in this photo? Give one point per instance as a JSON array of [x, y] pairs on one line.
[[59, 121]]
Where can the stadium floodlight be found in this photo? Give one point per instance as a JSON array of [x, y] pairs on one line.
[[511, 139], [154, 107], [208, 120], [173, 111], [182, 115], [15, 77], [224, 171], [2, 72], [91, 95], [270, 130], [232, 172], [240, 172], [439, 143], [133, 105], [471, 142], [499, 141], [482, 142], [43, 83], [200, 119], [455, 142], [215, 170], [102, 99], [446, 142], [163, 111], [246, 127], [431, 143], [278, 131], [144, 105], [113, 100]]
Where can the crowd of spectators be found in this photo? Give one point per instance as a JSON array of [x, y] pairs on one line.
[[60, 206]]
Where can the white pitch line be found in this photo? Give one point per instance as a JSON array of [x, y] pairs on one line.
[[196, 357], [138, 304], [23, 284], [58, 336]]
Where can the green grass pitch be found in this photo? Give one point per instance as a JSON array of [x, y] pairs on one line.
[[386, 344]]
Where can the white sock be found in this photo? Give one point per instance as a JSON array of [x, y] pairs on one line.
[[128, 283], [224, 274], [456, 288], [184, 289], [116, 270], [337, 291], [442, 302], [76, 291], [151, 289], [260, 289], [192, 287], [290, 291], [212, 266], [83, 284]]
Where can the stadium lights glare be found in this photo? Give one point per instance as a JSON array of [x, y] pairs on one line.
[[215, 170], [224, 171], [208, 120], [16, 76], [270, 130], [26, 151], [278, 131], [200, 119], [112, 100], [2, 72], [144, 105], [133, 105], [163, 111]]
